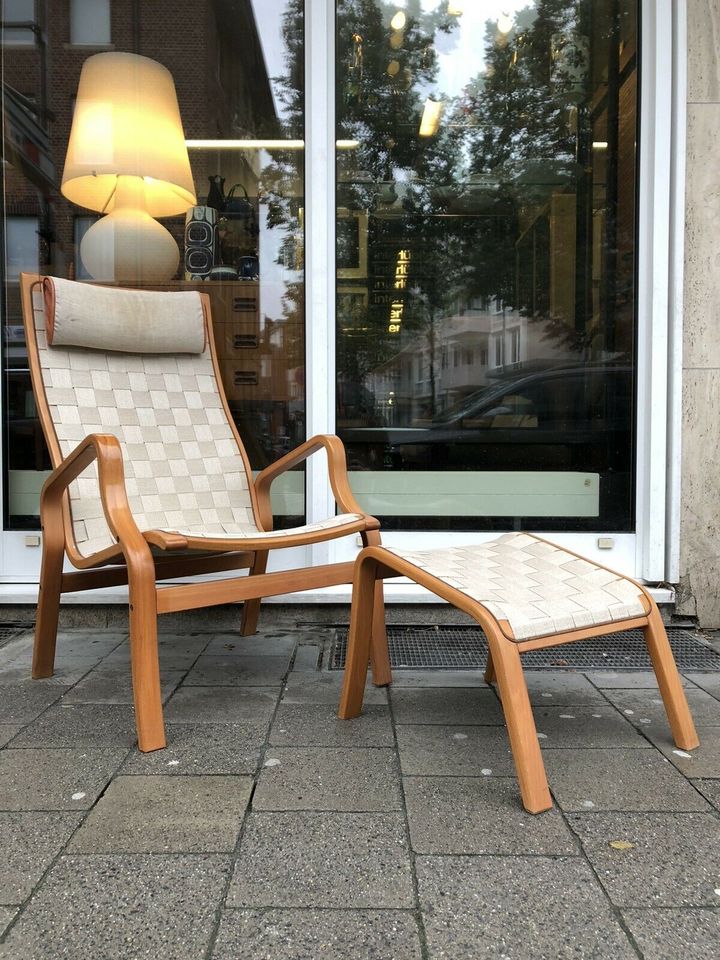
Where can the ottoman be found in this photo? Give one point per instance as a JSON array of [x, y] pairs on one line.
[[526, 593]]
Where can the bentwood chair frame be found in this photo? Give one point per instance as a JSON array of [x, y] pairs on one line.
[[141, 558]]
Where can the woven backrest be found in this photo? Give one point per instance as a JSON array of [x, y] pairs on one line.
[[184, 468]]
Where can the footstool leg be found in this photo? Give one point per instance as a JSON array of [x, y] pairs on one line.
[[520, 723], [489, 669], [379, 654], [668, 678], [358, 649]]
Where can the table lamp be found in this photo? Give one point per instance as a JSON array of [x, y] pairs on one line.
[[127, 158]]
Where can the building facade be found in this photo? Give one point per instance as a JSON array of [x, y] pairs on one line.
[[475, 240]]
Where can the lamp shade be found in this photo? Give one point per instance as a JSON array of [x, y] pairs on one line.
[[127, 123]]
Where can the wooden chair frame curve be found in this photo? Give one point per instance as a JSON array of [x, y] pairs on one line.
[[374, 564], [133, 562]]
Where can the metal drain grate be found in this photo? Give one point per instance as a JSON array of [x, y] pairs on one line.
[[465, 648]]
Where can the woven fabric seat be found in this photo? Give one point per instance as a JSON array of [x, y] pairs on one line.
[[184, 470], [533, 588], [526, 594], [151, 480]]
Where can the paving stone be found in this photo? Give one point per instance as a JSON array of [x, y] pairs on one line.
[[458, 705], [358, 860], [709, 682], [66, 673], [29, 843], [703, 761], [627, 679], [709, 789], [317, 724], [647, 705], [674, 860], [203, 748], [116, 907], [7, 915], [259, 645], [594, 726], [307, 658], [618, 780], [237, 671], [20, 703], [439, 678], [479, 815], [55, 779], [517, 908], [325, 688], [166, 815], [114, 685], [328, 778], [310, 934], [222, 704], [173, 655], [561, 688], [87, 643], [454, 751], [7, 732], [81, 725], [672, 934]]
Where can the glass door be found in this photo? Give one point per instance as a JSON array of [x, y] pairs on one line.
[[486, 261]]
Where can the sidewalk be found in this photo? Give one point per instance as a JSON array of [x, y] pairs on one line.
[[270, 829]]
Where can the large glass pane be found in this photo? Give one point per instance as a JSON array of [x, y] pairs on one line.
[[486, 197], [237, 67]]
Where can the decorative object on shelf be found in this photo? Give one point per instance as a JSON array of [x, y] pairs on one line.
[[201, 241], [216, 193], [127, 159], [237, 222], [248, 268]]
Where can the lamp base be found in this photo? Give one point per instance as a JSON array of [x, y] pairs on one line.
[[128, 246]]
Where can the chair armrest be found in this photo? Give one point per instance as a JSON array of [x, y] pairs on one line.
[[337, 469], [105, 448]]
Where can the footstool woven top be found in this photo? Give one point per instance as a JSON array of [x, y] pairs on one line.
[[536, 587]]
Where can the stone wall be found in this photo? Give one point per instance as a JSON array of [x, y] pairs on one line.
[[699, 592]]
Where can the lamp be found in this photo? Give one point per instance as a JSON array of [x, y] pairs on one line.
[[127, 158]]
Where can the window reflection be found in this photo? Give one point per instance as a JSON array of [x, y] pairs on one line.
[[494, 179], [237, 67]]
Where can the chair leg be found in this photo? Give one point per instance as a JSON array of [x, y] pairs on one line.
[[48, 611], [520, 723], [358, 649], [668, 678], [251, 608], [379, 653], [489, 669], [144, 660]]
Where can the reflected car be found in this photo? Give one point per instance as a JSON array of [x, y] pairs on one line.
[[564, 418]]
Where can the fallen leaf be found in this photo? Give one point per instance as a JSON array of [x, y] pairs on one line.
[[622, 845]]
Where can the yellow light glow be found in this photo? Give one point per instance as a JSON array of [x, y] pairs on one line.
[[600, 145], [431, 118], [399, 20], [455, 9], [505, 23]]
